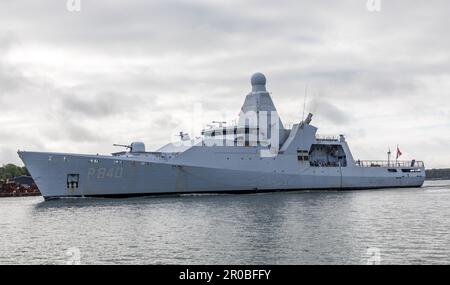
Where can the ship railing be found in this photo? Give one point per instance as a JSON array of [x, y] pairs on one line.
[[327, 137], [386, 163], [156, 154]]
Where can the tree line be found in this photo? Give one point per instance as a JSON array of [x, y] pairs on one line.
[[10, 170], [443, 173]]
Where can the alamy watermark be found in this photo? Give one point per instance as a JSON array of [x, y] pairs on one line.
[[373, 5], [373, 256], [73, 255], [73, 5]]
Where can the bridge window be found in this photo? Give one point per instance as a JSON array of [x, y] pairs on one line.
[[407, 170]]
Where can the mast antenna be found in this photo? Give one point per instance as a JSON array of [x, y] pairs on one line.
[[304, 102]]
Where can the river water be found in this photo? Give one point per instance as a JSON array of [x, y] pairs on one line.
[[391, 226]]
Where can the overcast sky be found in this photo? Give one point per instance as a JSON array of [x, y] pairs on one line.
[[119, 71]]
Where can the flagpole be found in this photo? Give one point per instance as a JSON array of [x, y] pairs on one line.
[[396, 157], [389, 156]]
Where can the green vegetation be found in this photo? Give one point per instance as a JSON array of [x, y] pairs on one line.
[[9, 171], [443, 173]]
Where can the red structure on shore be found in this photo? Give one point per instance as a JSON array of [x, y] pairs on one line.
[[13, 189]]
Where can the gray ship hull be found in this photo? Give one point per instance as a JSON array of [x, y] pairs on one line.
[[257, 154], [105, 176]]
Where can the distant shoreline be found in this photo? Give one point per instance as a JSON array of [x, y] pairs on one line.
[[437, 174]]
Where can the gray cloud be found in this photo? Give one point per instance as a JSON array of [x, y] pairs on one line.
[[99, 105], [10, 79], [329, 111], [77, 133], [7, 155]]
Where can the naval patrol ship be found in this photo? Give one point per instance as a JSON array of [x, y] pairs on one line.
[[256, 154]]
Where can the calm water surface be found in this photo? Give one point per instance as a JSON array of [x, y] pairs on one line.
[[402, 226]]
